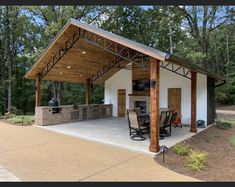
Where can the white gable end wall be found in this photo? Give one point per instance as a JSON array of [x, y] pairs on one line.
[[171, 80], [120, 80], [123, 80]]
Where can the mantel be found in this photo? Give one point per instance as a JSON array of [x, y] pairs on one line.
[[140, 93]]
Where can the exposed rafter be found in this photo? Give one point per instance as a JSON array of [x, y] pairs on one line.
[[62, 51], [127, 54], [184, 73], [106, 68], [122, 53], [112, 47], [176, 69], [117, 62]]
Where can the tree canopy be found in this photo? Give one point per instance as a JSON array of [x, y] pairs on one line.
[[202, 34]]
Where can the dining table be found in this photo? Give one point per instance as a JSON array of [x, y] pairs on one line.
[[145, 118]]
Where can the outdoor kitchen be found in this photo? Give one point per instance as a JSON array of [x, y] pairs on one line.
[[50, 115]]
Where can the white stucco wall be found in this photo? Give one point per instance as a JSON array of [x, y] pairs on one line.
[[120, 80], [123, 80], [202, 97], [171, 80]]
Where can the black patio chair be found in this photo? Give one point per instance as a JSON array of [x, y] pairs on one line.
[[142, 118], [170, 116], [136, 128], [163, 124], [162, 121]]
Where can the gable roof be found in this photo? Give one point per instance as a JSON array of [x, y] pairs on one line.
[[73, 24]]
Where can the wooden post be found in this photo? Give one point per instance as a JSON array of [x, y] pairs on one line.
[[88, 91], [193, 102], [154, 106], [38, 91]]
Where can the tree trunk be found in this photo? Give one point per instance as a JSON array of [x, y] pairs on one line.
[[227, 52], [9, 59], [216, 56], [25, 100], [9, 86], [57, 91], [2, 81], [202, 33], [170, 30]]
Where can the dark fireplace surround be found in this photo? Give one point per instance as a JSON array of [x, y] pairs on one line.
[[143, 102], [142, 105]]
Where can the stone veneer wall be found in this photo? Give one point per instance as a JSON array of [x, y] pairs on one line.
[[67, 113]]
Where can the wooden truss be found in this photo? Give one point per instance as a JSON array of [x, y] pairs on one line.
[[62, 51], [122, 53], [172, 67]]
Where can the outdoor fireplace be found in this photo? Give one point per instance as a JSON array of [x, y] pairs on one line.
[[142, 105], [143, 102]]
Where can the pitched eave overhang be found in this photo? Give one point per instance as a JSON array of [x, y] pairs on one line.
[[193, 67], [154, 53], [121, 40], [27, 75]]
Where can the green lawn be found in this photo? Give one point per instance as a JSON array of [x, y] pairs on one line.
[[233, 141], [27, 119], [232, 121]]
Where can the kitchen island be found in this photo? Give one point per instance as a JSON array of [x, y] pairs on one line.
[[46, 115]]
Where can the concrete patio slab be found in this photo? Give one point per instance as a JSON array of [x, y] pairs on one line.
[[115, 131], [36, 154]]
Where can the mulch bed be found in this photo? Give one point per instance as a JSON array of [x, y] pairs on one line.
[[220, 164]]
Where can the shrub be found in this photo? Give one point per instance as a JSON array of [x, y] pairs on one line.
[[27, 119], [223, 125], [181, 149], [196, 160], [8, 115]]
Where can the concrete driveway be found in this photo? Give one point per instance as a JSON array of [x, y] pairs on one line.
[[35, 154]]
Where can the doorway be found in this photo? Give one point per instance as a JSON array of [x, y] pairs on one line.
[[174, 99]]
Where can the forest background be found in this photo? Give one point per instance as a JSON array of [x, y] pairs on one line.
[[202, 34]]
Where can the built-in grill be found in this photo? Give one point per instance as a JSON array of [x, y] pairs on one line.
[[53, 103]]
